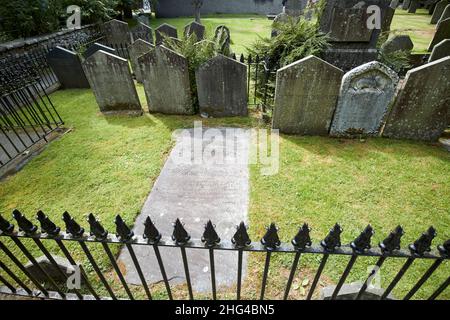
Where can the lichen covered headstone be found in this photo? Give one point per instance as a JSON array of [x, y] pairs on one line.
[[165, 30], [117, 32], [142, 31], [195, 28], [137, 49]]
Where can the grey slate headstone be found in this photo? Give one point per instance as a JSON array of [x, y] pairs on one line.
[[112, 83], [446, 14], [442, 33], [222, 87], [305, 97], [96, 47], [398, 43], [422, 108], [441, 50], [167, 30], [195, 28], [438, 10], [62, 264], [137, 49], [365, 96], [142, 31], [117, 32], [67, 67], [166, 81]]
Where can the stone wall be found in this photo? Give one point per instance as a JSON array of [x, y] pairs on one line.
[[179, 8]]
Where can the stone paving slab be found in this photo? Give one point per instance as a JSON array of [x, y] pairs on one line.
[[195, 193]]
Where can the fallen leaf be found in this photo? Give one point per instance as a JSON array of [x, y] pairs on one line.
[[305, 282]]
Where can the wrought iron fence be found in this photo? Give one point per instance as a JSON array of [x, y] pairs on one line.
[[301, 245]]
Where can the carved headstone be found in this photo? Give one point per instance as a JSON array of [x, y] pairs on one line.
[[398, 43], [222, 87], [165, 29], [442, 33], [117, 32], [96, 47], [112, 83], [195, 28], [142, 31], [67, 67], [137, 49], [439, 10], [166, 81], [305, 97], [441, 50], [422, 108], [365, 96]]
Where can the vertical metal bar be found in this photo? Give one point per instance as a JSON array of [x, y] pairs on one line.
[[23, 269], [7, 284], [117, 269], [256, 78], [397, 277], [424, 278], [15, 278], [344, 276], [73, 263], [317, 277], [441, 289], [139, 270], [239, 275], [266, 271], [186, 272], [97, 269], [372, 273], [213, 273], [163, 271]]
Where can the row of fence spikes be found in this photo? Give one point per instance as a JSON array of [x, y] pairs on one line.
[[210, 237]]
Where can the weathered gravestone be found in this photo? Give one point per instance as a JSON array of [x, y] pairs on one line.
[[167, 30], [365, 95], [442, 33], [67, 67], [441, 50], [446, 14], [142, 31], [305, 97], [415, 4], [394, 4], [117, 32], [422, 108], [195, 28], [166, 81], [295, 7], [439, 10], [96, 47], [281, 19], [137, 49], [222, 87], [112, 83], [406, 4], [397, 43]]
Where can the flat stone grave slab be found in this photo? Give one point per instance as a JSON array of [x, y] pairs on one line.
[[195, 193]]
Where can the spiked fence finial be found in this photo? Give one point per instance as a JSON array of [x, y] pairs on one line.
[[362, 242], [445, 248], [96, 229], [24, 224], [150, 232], [180, 235], [303, 238], [392, 242], [122, 230], [423, 244], [333, 239], [5, 225], [241, 238], [72, 226], [210, 236], [271, 240], [47, 225]]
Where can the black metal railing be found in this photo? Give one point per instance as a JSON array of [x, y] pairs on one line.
[[301, 245]]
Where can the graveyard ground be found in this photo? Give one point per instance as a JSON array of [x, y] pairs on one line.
[[321, 181]]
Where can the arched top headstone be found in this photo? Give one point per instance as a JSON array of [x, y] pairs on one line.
[[195, 28]]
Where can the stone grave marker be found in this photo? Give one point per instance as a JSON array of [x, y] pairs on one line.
[[142, 31], [446, 14], [415, 4], [137, 49], [439, 10], [112, 83], [441, 50], [166, 81], [365, 96], [398, 43], [442, 33], [222, 87], [422, 108], [195, 28], [67, 67], [96, 47], [117, 32], [406, 4], [305, 97], [295, 7], [165, 29]]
